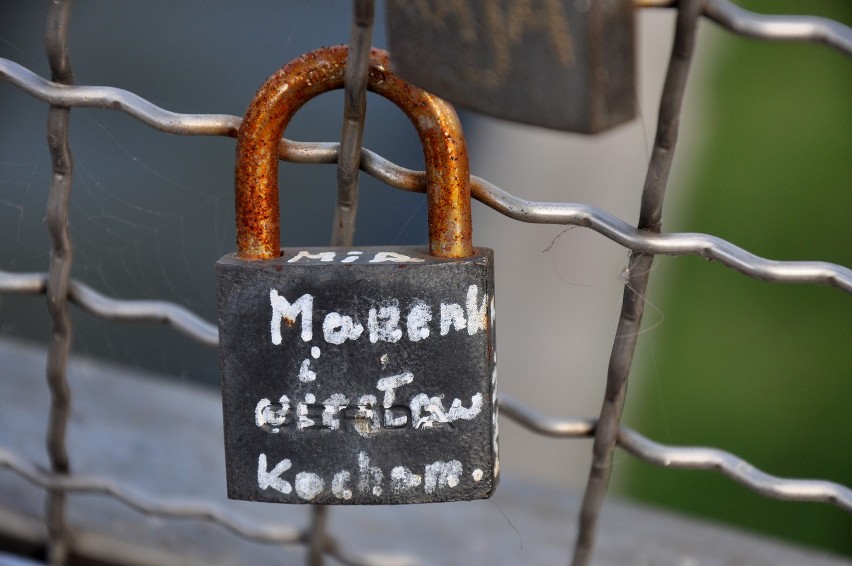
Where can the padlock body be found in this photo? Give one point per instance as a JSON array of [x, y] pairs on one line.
[[562, 64], [358, 376]]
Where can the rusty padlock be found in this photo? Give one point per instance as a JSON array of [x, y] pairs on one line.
[[360, 375], [563, 64]]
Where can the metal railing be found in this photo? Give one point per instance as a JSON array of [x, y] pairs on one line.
[[644, 241]]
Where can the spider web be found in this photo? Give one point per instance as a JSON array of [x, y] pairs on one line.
[[150, 213]]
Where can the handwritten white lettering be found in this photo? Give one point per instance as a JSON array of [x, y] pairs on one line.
[[442, 474], [271, 417], [383, 321], [322, 256], [308, 485], [370, 477], [283, 309], [389, 385], [340, 485], [337, 328], [452, 315], [417, 321], [402, 479], [394, 257], [475, 315], [439, 475], [305, 373], [267, 479], [333, 405], [352, 256], [367, 416], [384, 324], [367, 421]]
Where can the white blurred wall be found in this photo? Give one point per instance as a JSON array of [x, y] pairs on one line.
[[557, 310]]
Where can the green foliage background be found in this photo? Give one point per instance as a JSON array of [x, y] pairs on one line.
[[762, 370]]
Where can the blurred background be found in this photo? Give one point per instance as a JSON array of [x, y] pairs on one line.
[[761, 370], [765, 161]]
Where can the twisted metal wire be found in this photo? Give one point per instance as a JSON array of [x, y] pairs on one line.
[[354, 111], [56, 45], [685, 457], [701, 458], [790, 29], [181, 319], [147, 504], [615, 229], [798, 29], [206, 333], [348, 164], [638, 276], [643, 448], [187, 510]]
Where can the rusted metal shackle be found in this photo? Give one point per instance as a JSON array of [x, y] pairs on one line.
[[436, 122]]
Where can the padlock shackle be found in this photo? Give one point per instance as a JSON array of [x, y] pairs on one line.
[[436, 122]]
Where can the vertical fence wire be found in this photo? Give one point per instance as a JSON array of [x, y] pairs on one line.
[[56, 44], [348, 165], [354, 110], [318, 540], [636, 284]]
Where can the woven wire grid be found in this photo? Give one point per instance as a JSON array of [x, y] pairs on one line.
[[644, 241]]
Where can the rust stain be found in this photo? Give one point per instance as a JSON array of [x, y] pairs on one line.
[[436, 122]]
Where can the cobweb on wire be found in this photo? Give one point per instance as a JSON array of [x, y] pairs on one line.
[[151, 213]]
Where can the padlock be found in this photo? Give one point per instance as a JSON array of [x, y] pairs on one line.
[[361, 375], [563, 64]]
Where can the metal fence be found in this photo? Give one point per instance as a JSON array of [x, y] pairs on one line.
[[644, 241]]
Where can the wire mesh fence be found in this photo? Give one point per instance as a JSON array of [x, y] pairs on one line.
[[644, 242]]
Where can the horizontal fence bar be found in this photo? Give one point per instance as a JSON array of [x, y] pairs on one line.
[[686, 457], [532, 420], [79, 96], [176, 316], [643, 448], [147, 504], [93, 302], [700, 458], [674, 244], [771, 27], [191, 510], [692, 458]]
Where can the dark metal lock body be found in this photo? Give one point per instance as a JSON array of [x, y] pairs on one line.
[[356, 375], [563, 64]]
